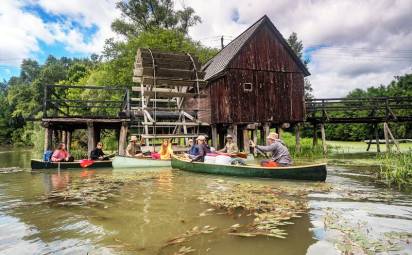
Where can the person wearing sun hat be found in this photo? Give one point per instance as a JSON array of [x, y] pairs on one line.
[[280, 154], [202, 149], [230, 146], [133, 148]]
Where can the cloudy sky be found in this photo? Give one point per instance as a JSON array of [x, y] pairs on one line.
[[351, 44]]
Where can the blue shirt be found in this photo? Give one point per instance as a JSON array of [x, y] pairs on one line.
[[194, 150]]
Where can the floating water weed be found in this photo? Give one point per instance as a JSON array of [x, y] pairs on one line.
[[354, 238], [271, 207]]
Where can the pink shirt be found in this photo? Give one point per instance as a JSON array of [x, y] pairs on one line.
[[59, 155]]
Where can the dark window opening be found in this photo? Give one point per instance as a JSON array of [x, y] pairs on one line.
[[247, 87]]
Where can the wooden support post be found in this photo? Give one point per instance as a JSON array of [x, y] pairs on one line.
[[48, 137], [297, 137], [246, 147], [393, 138], [254, 138], [378, 148], [64, 137], [279, 131], [234, 133], [266, 131], [386, 135], [221, 138], [322, 131], [315, 136], [69, 140], [214, 136], [123, 139], [90, 138], [55, 137]]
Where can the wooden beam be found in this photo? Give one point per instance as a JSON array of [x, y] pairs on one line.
[[48, 137], [167, 72], [385, 134], [246, 140], [378, 148], [393, 138], [322, 131], [266, 131], [166, 63], [64, 137], [254, 138], [214, 136], [69, 140], [123, 139], [167, 82], [90, 138], [315, 136]]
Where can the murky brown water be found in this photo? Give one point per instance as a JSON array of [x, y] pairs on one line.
[[139, 211]]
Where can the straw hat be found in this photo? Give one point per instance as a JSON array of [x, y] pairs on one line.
[[133, 138], [229, 136], [201, 137], [273, 136], [190, 140]]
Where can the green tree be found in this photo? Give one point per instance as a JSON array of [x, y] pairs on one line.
[[146, 15], [297, 47]]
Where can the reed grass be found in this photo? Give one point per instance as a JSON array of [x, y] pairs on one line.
[[396, 168]]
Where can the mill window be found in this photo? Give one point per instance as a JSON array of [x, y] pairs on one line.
[[247, 87]]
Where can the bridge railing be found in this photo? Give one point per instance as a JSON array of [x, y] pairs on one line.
[[388, 108], [85, 101]]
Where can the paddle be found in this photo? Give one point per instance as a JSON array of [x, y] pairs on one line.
[[86, 163], [261, 152]]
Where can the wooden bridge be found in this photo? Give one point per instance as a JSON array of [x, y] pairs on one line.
[[369, 110]]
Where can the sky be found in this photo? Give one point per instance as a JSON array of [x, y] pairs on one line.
[[350, 43]]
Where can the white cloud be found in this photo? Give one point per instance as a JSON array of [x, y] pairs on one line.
[[370, 40]]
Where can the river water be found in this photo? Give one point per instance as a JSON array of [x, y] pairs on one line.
[[165, 211]]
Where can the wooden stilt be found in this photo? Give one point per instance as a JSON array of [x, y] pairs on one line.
[[90, 138], [64, 137], [393, 138], [234, 133], [297, 136], [266, 131], [48, 137], [322, 131], [378, 148], [370, 139], [315, 136], [254, 138], [69, 140], [123, 139], [97, 135], [214, 136], [386, 135], [246, 147], [221, 138]]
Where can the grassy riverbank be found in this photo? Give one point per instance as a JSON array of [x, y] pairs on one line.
[[393, 168]]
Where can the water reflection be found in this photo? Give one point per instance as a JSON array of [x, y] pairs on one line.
[[137, 212]]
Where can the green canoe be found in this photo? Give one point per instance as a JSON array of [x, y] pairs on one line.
[[129, 162], [40, 164], [316, 172]]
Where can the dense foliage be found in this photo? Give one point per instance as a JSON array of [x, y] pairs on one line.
[[166, 29]]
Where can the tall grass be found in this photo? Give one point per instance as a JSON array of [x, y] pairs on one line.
[[396, 168], [307, 150]]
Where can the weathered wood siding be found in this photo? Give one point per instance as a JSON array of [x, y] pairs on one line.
[[278, 85]]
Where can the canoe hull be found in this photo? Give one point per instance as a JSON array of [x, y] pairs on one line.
[[40, 164], [128, 162], [310, 172]]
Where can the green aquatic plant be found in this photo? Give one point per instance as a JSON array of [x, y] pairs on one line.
[[396, 168], [270, 207], [355, 238]]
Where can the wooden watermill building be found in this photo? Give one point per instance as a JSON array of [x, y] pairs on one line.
[[256, 81]]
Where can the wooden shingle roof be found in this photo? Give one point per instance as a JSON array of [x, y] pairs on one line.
[[215, 66]]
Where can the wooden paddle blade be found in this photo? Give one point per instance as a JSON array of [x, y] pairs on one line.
[[86, 163]]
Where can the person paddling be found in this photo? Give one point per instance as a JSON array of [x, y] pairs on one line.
[[97, 153], [230, 146], [61, 154], [133, 148], [280, 153]]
